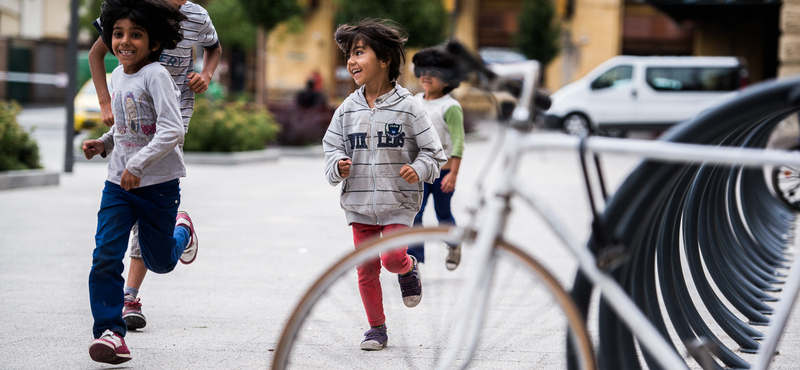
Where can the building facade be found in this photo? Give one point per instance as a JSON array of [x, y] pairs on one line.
[[33, 39]]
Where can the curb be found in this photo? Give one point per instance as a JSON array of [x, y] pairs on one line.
[[26, 178], [234, 158]]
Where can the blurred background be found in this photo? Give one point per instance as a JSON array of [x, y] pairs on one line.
[[274, 49]]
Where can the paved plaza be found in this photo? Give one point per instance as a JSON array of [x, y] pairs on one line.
[[266, 231]]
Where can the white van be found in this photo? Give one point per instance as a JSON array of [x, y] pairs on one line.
[[644, 93]]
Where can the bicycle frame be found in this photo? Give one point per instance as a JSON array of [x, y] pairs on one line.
[[495, 210]]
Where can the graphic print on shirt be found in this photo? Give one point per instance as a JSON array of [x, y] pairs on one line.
[[130, 109], [122, 127], [392, 136], [148, 122], [358, 140]]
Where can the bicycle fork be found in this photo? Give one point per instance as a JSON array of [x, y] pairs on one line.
[[480, 280]]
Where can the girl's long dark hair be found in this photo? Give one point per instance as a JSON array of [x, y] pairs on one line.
[[160, 19]]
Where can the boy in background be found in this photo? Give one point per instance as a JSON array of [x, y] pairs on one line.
[[437, 71]]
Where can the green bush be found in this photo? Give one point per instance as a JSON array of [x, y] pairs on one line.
[[223, 127], [18, 151], [229, 127]]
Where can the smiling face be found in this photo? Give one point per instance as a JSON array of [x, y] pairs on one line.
[[131, 45], [364, 66], [432, 83]]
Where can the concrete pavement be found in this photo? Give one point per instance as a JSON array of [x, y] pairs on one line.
[[266, 231]]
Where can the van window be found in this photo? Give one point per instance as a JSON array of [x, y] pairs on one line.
[[693, 78], [613, 77]]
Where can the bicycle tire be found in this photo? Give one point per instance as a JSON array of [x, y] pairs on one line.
[[786, 183], [507, 252]]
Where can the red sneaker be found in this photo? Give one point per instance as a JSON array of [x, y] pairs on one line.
[[110, 348]]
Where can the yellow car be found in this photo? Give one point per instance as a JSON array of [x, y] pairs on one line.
[[87, 107]]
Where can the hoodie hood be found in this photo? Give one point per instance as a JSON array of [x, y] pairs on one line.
[[396, 95]]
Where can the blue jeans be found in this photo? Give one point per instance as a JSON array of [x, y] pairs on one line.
[[441, 204], [162, 244]]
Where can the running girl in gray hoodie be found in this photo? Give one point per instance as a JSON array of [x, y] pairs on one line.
[[381, 146]]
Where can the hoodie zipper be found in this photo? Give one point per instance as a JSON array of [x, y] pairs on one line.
[[372, 167]]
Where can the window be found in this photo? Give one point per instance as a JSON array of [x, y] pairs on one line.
[[693, 78], [613, 77]]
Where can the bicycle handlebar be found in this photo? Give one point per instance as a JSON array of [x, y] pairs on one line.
[[500, 77]]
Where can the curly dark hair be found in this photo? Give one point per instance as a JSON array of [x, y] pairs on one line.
[[387, 38], [441, 61], [160, 19]]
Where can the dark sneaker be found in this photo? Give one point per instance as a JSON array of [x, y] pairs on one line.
[[453, 257], [411, 285], [190, 253], [110, 348], [132, 313], [375, 339]]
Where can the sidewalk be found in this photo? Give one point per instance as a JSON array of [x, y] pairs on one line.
[[266, 231]]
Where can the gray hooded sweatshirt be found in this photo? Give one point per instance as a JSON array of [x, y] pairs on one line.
[[379, 141]]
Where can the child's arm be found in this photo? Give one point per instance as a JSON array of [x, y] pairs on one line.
[[454, 117], [97, 67], [208, 39], [430, 158], [449, 180], [198, 82], [337, 162], [169, 124]]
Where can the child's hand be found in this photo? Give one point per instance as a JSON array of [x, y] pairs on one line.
[[408, 174], [129, 181], [344, 167], [198, 82], [106, 115], [449, 183], [92, 148]]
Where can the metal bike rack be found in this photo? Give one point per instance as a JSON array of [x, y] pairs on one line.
[[733, 236]]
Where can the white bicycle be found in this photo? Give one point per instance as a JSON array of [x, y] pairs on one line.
[[501, 309]]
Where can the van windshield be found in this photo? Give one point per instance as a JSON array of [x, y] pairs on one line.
[[613, 77], [693, 78]]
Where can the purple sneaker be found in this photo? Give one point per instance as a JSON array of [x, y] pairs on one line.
[[411, 285], [110, 348], [190, 253], [375, 339], [132, 313]]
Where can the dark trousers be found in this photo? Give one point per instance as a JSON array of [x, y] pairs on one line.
[[441, 204], [162, 244]]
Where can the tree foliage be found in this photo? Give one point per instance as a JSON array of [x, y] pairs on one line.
[[91, 10], [539, 33], [269, 13], [233, 24], [425, 20]]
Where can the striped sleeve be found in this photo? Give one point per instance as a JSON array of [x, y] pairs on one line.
[[333, 143]]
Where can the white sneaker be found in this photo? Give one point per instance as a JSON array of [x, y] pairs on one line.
[[190, 253]]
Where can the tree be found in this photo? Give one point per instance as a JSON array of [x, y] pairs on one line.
[[539, 33], [233, 25], [90, 13], [426, 21], [267, 14]]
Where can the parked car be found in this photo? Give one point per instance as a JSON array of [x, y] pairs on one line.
[[87, 107], [644, 93]]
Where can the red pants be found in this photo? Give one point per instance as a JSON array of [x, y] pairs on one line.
[[369, 285]]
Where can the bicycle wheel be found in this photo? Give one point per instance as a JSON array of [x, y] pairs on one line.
[[528, 316]]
